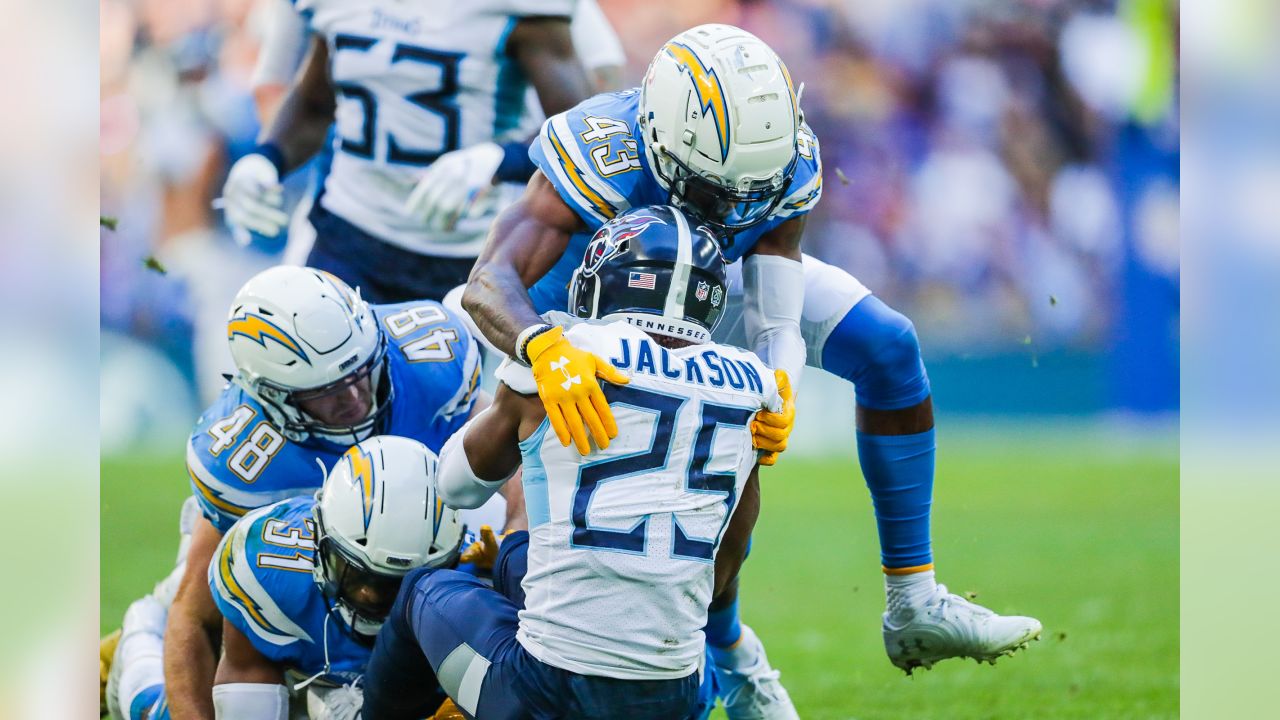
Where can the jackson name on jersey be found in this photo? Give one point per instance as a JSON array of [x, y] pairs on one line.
[[238, 461], [592, 155], [415, 80], [642, 519]]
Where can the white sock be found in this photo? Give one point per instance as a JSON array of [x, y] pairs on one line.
[[905, 595]]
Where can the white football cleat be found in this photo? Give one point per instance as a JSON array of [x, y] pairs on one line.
[[948, 626], [754, 692]]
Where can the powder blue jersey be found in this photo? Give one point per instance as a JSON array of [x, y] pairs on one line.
[[238, 461], [592, 155], [261, 579]]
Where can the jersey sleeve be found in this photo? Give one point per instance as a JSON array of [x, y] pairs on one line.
[[590, 157], [255, 599], [593, 37], [806, 184], [238, 462], [283, 47]]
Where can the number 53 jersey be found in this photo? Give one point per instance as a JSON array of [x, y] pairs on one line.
[[622, 541], [237, 460], [415, 80]]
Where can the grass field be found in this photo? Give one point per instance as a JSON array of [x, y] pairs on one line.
[[1082, 536]]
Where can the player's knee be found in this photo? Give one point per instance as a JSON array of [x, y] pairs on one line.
[[877, 349]]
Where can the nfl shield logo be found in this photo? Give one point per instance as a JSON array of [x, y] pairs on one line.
[[703, 289]]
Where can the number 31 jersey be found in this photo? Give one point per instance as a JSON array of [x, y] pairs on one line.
[[622, 541], [415, 80], [238, 461]]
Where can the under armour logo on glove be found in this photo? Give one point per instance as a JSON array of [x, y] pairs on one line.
[[562, 366], [568, 386]]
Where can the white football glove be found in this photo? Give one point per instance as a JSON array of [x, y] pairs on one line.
[[252, 199], [340, 703], [455, 187]]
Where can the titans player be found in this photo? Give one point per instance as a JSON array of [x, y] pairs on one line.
[[627, 545], [716, 129], [405, 85], [317, 370]]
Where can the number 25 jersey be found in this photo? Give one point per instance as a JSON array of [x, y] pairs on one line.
[[622, 541]]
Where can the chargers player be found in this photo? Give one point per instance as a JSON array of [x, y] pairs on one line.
[[716, 129], [304, 584], [403, 85], [318, 369], [626, 545]]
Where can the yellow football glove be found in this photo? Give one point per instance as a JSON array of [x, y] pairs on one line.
[[770, 430], [448, 711], [566, 378], [483, 553]]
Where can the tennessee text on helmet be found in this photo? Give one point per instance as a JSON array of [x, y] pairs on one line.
[[650, 267]]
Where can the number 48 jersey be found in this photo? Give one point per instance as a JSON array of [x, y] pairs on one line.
[[622, 541], [413, 81], [238, 461]]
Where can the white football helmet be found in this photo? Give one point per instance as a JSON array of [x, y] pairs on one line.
[[719, 119], [378, 516], [298, 333]]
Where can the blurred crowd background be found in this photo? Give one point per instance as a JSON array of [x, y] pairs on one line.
[[1006, 173]]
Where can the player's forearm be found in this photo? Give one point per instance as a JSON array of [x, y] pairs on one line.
[[499, 304], [737, 537], [773, 290], [302, 123], [190, 661]]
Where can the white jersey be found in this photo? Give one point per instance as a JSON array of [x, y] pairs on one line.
[[415, 80], [622, 542]]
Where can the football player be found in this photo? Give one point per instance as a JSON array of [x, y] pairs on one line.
[[318, 369], [303, 586], [404, 85], [716, 129], [285, 46], [626, 545]]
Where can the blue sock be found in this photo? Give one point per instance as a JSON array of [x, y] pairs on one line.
[[899, 472], [723, 626]]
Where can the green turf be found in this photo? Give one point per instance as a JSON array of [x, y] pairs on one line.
[[1086, 540]]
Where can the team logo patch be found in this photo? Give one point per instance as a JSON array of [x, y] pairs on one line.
[[716, 296], [642, 280], [259, 329], [702, 291]]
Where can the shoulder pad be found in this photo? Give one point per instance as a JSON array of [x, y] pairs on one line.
[[238, 461], [442, 358], [590, 154], [806, 184], [252, 593]]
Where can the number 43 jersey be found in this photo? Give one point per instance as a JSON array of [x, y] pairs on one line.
[[238, 461], [415, 80], [622, 541]]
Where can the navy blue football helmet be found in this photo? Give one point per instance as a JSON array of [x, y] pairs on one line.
[[654, 269]]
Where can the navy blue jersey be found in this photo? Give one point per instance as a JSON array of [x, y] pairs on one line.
[[238, 461], [592, 155]]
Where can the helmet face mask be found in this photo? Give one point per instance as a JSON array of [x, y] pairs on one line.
[[378, 516], [361, 595], [367, 383], [729, 210]]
